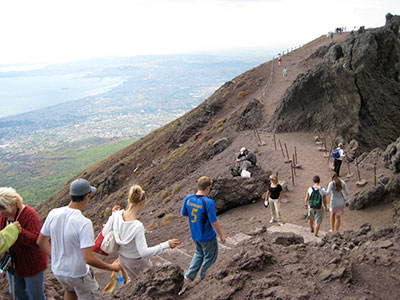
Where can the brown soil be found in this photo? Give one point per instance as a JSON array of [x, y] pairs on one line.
[[238, 223]]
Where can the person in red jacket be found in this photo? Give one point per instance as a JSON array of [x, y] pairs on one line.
[[29, 260]]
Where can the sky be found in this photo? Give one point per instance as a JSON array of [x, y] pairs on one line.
[[57, 31]]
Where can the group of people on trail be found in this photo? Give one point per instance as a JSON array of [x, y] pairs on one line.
[[67, 237], [315, 201]]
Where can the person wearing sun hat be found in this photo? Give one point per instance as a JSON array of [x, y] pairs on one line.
[[72, 238]]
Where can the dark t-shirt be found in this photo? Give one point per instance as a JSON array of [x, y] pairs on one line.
[[274, 191]]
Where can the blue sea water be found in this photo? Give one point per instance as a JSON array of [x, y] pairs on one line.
[[26, 93]]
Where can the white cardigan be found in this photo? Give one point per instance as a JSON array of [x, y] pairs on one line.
[[129, 235]]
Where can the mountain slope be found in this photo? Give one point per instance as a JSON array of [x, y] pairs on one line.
[[168, 161]]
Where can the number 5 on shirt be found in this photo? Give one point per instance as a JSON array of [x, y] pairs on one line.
[[194, 210]]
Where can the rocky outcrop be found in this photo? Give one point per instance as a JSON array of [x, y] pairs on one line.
[[156, 283], [388, 187], [232, 192], [392, 156], [352, 93], [251, 116], [216, 148]]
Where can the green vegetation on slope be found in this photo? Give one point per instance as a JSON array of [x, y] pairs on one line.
[[50, 171]]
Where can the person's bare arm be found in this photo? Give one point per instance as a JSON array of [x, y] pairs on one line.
[[44, 244], [218, 229], [93, 261], [325, 202], [306, 200]]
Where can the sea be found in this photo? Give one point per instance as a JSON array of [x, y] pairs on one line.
[[19, 94]]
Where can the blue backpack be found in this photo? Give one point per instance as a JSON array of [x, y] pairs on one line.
[[335, 153]]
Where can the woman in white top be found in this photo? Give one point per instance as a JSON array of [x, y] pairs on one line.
[[129, 234], [339, 196]]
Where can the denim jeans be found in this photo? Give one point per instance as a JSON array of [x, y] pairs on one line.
[[204, 256], [28, 288]]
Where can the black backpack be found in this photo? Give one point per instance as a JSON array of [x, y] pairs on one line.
[[315, 199]]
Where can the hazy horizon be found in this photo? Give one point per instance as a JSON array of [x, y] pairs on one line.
[[42, 31]]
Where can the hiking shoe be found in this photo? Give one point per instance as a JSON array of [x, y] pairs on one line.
[[312, 230], [187, 284]]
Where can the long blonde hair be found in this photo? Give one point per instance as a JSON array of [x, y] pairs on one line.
[[337, 182], [136, 195]]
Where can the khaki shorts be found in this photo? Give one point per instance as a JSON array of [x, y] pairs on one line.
[[86, 287], [315, 214]]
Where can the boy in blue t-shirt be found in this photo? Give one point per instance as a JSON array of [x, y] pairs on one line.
[[204, 226]]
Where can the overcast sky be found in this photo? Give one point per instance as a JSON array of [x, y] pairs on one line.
[[52, 31]]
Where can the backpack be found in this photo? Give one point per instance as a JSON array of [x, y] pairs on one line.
[[236, 171], [335, 154], [315, 199]]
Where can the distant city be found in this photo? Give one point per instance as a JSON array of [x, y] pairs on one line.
[[154, 90]]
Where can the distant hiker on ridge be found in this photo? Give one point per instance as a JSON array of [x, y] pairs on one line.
[[246, 159], [72, 239], [284, 73], [313, 203], [204, 227]]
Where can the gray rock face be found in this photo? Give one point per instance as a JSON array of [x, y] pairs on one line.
[[388, 188], [251, 116], [158, 283], [353, 93], [392, 156], [236, 191], [216, 148]]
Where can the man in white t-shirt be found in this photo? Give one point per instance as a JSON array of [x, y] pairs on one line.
[[72, 239]]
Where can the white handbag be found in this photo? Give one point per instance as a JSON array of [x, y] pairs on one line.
[[109, 245]]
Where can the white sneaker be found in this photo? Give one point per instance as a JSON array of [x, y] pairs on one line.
[[271, 221], [186, 285], [280, 224]]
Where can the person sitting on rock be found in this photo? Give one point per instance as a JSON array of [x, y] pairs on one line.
[[246, 159]]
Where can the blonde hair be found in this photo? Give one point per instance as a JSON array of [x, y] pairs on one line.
[[136, 195], [203, 183], [8, 197], [273, 177]]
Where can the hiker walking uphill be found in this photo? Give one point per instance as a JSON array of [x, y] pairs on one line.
[[72, 239], [338, 156], [204, 227], [246, 159], [313, 203]]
